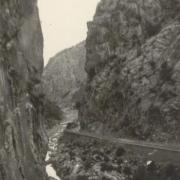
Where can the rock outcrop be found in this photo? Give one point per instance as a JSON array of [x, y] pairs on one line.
[[133, 66], [65, 74], [22, 139]]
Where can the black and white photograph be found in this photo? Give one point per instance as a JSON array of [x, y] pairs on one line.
[[89, 89]]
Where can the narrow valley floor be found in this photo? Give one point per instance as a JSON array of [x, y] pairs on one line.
[[72, 159], [54, 135]]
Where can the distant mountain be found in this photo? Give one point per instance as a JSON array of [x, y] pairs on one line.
[[65, 74]]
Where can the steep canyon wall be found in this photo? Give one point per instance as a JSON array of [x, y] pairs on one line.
[[64, 75], [22, 138], [133, 66]]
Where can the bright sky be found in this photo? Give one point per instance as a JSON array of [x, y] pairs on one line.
[[64, 23]]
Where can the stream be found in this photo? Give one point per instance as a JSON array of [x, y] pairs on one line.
[[54, 135], [97, 154]]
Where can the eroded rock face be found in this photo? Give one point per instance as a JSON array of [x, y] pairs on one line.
[[22, 147], [65, 74], [133, 64]]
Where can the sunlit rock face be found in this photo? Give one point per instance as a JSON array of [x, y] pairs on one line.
[[133, 66], [64, 75], [22, 147]]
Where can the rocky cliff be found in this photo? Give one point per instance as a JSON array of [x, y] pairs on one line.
[[133, 66], [65, 74], [22, 148]]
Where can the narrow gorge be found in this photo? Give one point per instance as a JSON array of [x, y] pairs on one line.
[[122, 83], [132, 91]]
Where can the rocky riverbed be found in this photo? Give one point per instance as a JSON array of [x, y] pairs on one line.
[[93, 160], [82, 159], [54, 135]]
